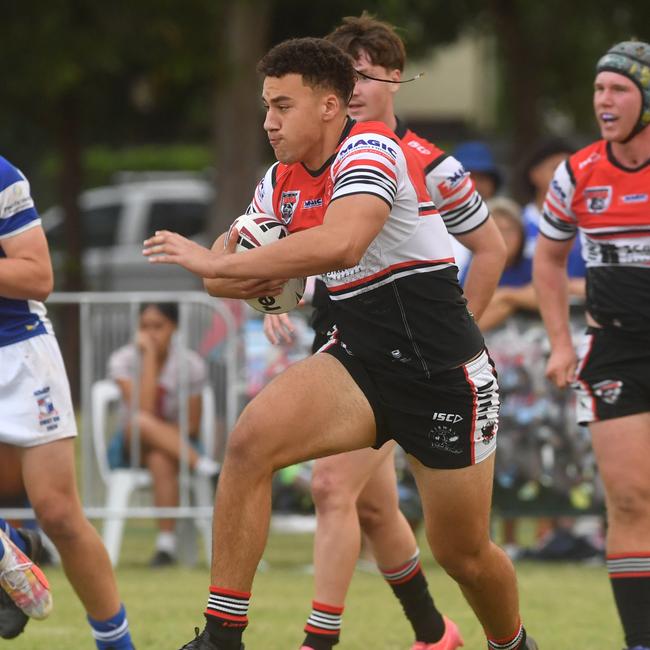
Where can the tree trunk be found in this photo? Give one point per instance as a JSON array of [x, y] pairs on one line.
[[243, 34], [520, 78]]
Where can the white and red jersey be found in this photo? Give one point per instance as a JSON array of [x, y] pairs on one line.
[[610, 205], [401, 306], [451, 187]]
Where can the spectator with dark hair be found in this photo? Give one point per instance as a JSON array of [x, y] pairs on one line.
[[537, 175], [159, 360]]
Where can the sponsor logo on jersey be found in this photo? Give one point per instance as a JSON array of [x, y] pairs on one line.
[[595, 157], [634, 198], [414, 144], [288, 203], [557, 189], [312, 203], [608, 390], [598, 198], [447, 417], [260, 190], [375, 144]]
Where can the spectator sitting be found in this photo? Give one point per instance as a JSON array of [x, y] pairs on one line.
[[160, 360]]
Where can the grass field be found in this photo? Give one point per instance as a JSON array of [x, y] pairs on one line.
[[566, 607]]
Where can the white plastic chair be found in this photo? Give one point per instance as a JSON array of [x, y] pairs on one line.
[[121, 483]]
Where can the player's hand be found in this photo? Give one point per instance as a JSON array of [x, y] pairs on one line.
[[561, 366], [145, 342], [278, 328], [167, 247]]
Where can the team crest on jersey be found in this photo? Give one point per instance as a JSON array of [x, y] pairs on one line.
[[609, 390], [598, 198], [288, 204]]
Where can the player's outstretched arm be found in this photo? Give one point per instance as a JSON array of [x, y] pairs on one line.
[[26, 271], [350, 225], [552, 286]]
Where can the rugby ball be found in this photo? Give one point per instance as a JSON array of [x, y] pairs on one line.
[[259, 229]]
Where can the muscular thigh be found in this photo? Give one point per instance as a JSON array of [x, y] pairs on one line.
[[313, 409], [49, 473], [456, 503], [622, 448]]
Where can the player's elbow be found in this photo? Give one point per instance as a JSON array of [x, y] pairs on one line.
[[42, 285], [349, 254]]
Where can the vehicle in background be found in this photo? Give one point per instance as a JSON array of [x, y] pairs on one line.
[[116, 219]]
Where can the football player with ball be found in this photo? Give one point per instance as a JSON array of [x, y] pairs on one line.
[[405, 345], [358, 490]]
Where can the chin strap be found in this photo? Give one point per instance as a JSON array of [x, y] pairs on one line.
[[389, 81]]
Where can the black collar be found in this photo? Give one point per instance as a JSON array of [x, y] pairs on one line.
[[349, 123]]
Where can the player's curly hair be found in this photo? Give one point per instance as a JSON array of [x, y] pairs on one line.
[[378, 39], [320, 63]]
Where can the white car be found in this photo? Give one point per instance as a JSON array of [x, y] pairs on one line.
[[116, 219]]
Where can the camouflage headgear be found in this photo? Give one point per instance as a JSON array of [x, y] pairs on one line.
[[632, 60]]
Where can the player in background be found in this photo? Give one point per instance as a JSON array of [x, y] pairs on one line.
[[603, 191], [358, 489], [38, 418], [407, 360]]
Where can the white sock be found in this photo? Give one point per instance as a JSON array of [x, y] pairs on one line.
[[206, 466], [166, 541]]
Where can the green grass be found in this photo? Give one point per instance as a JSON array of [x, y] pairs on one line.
[[564, 606]]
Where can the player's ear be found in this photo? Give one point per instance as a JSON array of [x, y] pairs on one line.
[[394, 75], [330, 106]]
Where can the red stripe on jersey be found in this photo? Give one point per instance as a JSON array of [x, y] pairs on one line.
[[619, 234], [630, 574], [375, 152], [584, 384], [560, 214], [626, 556], [366, 162], [390, 269], [452, 204]]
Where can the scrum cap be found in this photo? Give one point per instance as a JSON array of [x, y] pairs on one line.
[[632, 60]]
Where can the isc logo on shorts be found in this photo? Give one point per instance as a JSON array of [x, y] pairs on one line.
[[447, 417]]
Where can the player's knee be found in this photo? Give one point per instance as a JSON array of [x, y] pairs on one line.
[[247, 447], [328, 493], [629, 504], [463, 567], [373, 516], [59, 517]]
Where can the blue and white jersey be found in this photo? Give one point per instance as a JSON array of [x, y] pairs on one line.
[[19, 319]]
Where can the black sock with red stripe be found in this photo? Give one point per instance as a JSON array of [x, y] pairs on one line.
[[323, 626], [226, 617], [410, 586], [630, 578], [515, 642]]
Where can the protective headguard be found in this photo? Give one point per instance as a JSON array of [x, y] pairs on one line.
[[632, 60]]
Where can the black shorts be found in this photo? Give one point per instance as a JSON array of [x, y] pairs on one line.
[[613, 375], [447, 422]]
